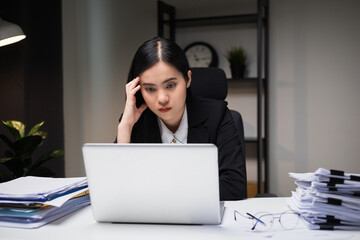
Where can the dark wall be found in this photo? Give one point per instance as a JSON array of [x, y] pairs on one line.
[[31, 88]]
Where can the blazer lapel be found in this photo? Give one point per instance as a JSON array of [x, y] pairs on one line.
[[146, 130], [197, 116], [153, 130]]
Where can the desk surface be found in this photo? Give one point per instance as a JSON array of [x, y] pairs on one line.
[[81, 225]]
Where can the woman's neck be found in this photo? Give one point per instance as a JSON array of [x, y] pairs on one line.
[[174, 126]]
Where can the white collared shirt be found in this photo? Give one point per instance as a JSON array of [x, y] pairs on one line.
[[180, 136]]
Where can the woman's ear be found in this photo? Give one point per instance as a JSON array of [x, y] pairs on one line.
[[188, 83]]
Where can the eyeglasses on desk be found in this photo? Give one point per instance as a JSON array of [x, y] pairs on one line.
[[263, 221]]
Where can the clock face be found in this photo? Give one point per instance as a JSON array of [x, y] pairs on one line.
[[201, 55]]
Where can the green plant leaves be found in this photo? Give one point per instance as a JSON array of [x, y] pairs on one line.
[[35, 128], [43, 159], [5, 159], [237, 55], [15, 167], [41, 134], [17, 160], [6, 140], [25, 146], [16, 128]]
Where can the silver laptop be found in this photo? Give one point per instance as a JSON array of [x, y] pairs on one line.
[[154, 183]]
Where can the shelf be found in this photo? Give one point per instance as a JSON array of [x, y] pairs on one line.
[[258, 20], [252, 139], [243, 82], [213, 21]]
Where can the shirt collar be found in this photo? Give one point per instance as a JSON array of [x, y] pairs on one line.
[[180, 136]]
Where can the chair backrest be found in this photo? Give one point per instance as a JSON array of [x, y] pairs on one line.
[[212, 83], [209, 83]]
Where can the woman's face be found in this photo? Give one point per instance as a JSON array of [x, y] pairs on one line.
[[164, 90]]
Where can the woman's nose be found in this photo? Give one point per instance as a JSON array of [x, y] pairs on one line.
[[163, 98]]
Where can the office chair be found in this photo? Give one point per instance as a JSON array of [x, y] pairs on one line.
[[212, 83]]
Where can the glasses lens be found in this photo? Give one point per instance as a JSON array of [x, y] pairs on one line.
[[289, 220], [264, 222]]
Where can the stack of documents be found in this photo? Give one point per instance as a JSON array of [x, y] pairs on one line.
[[327, 199], [30, 202]]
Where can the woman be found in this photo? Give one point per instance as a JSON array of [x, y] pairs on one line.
[[160, 108]]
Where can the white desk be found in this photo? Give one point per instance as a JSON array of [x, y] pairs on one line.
[[81, 225]]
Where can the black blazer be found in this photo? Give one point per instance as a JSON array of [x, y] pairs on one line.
[[209, 121]]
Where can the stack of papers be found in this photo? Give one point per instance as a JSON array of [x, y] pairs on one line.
[[30, 202], [327, 199]]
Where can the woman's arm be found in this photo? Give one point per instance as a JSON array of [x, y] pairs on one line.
[[131, 113], [232, 167]]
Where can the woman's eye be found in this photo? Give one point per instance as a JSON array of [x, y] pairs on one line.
[[171, 85], [150, 90]]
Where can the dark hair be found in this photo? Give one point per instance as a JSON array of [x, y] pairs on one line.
[[153, 51]]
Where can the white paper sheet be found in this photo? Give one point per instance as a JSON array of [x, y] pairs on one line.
[[38, 188]]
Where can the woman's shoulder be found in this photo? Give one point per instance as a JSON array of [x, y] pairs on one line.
[[214, 104], [204, 108]]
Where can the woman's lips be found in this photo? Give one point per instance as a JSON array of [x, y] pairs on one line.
[[164, 109]]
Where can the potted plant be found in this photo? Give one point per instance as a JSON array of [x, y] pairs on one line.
[[237, 58], [17, 160]]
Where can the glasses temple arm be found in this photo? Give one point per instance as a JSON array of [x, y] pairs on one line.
[[257, 220]]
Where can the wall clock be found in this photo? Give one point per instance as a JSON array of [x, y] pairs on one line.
[[201, 54]]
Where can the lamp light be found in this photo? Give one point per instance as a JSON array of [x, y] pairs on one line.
[[10, 33]]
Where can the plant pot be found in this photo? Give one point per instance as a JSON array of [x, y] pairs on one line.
[[238, 71]]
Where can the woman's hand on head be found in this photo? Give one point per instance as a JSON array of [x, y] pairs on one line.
[[131, 113]]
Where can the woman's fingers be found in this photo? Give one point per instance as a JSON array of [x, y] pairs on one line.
[[131, 112], [134, 90], [133, 86], [133, 83]]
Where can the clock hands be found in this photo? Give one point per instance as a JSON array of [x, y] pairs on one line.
[[204, 58], [201, 54], [198, 59]]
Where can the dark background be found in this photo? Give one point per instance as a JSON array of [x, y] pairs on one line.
[[31, 88]]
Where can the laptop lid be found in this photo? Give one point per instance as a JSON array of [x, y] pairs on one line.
[[154, 183]]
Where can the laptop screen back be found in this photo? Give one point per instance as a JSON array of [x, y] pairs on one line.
[[153, 183]]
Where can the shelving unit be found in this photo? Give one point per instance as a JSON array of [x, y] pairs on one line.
[[243, 83], [166, 18]]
